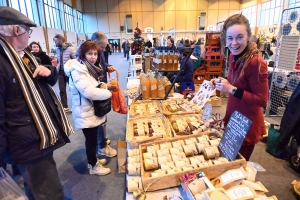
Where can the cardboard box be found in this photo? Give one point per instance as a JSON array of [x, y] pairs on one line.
[[121, 147]]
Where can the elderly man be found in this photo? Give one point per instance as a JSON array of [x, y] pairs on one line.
[[103, 143], [64, 52], [32, 121]]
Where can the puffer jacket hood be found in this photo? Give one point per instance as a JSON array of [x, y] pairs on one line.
[[83, 91]]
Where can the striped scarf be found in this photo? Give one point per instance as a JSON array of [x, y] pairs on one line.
[[35, 99], [96, 72]]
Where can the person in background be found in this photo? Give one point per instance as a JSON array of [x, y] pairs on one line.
[[84, 78], [187, 43], [253, 41], [148, 43], [198, 42], [180, 44], [32, 121], [64, 52], [123, 47], [116, 46], [127, 49], [111, 46], [103, 147], [170, 42], [38, 52], [106, 53], [247, 82]]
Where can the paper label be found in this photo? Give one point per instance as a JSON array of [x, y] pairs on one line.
[[233, 175], [255, 186], [160, 87], [175, 61], [165, 61], [170, 61], [239, 192], [144, 88], [153, 87]]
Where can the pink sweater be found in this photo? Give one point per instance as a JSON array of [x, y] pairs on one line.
[[254, 82]]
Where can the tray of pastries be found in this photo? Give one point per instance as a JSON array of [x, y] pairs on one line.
[[179, 106], [140, 129], [145, 107], [187, 124]]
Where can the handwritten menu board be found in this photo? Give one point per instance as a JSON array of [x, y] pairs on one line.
[[234, 135]]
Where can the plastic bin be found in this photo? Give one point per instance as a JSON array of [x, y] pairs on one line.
[[197, 63]]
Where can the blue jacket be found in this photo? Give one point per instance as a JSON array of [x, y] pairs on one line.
[[186, 73]]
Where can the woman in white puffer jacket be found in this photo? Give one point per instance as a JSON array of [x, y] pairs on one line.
[[83, 81]]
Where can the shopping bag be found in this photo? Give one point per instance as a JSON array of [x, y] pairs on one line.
[[273, 140], [9, 190], [118, 102]]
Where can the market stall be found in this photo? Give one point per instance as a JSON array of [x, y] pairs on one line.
[[174, 152]]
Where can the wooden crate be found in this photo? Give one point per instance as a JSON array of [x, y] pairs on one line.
[[213, 35], [198, 78], [213, 57], [212, 49], [212, 42], [172, 180], [214, 69]]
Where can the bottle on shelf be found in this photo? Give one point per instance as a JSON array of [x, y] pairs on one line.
[[170, 59], [153, 86], [165, 58], [146, 87], [175, 60], [160, 86], [142, 75], [160, 57]]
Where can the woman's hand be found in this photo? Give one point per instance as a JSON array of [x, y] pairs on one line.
[[111, 87], [103, 86], [222, 84]]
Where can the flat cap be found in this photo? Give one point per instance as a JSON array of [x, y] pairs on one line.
[[11, 16]]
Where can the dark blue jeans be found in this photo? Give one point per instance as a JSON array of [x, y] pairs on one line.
[[101, 138]]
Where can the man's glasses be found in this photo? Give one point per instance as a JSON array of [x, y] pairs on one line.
[[29, 30]]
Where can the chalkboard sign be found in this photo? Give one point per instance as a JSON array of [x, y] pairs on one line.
[[234, 135]]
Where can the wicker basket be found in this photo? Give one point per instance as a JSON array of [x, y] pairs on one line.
[[184, 117], [146, 104], [184, 107], [167, 133]]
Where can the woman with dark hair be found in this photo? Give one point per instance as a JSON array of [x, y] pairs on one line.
[[247, 82], [37, 51], [85, 86]]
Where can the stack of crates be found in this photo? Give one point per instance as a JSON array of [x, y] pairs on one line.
[[199, 74], [213, 56], [297, 66]]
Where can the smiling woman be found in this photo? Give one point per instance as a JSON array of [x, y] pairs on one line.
[[247, 81]]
